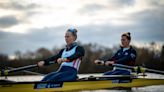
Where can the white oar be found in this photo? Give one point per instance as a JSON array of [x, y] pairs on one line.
[[27, 71], [6, 72], [139, 69]]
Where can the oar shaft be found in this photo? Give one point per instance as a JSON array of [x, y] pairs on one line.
[[23, 68], [6, 72], [155, 71], [139, 69], [123, 66], [27, 71]]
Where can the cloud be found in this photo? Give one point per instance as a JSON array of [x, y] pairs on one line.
[[22, 9], [149, 23], [45, 37], [121, 3], [15, 5], [107, 5], [91, 8], [109, 35], [34, 39], [8, 21], [106, 35], [100, 22]]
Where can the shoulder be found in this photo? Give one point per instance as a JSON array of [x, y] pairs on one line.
[[120, 50], [132, 50], [80, 47], [61, 50]]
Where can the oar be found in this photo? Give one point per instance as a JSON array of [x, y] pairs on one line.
[[6, 72], [27, 71], [139, 69]]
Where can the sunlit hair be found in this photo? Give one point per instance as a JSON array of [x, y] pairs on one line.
[[73, 31], [128, 36]]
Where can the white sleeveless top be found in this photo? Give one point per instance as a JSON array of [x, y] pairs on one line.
[[75, 63]]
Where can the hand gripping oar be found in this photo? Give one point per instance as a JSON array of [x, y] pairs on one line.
[[139, 69], [6, 72]]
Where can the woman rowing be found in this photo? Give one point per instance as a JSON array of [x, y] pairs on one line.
[[126, 55], [69, 58]]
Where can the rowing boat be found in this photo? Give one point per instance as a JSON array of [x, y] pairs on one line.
[[88, 83]]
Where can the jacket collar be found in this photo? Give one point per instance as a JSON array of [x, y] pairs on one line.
[[129, 47], [71, 45]]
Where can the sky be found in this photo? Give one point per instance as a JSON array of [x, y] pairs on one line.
[[26, 25]]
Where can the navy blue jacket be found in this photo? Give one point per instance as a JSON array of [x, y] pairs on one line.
[[127, 57]]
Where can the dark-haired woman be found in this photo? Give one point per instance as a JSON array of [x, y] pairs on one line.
[[126, 55], [69, 58]]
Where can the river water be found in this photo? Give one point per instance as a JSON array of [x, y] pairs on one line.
[[159, 88]]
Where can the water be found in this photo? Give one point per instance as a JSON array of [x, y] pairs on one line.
[[159, 88]]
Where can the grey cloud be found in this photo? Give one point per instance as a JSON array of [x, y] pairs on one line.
[[91, 8], [36, 38], [8, 21], [107, 35], [8, 42], [14, 5], [150, 24], [148, 27], [120, 3], [112, 5], [21, 6], [46, 37]]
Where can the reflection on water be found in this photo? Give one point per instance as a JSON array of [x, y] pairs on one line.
[[140, 89], [159, 88]]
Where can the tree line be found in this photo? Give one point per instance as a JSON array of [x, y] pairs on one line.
[[146, 56]]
